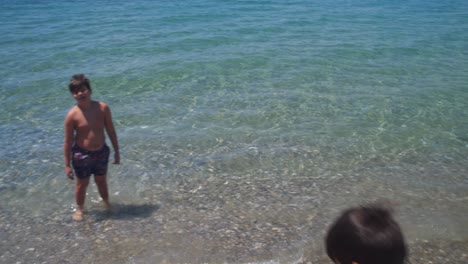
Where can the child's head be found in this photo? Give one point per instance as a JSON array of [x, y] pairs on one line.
[[366, 235], [78, 82]]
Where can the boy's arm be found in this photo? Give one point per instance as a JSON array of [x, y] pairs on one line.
[[68, 145], [111, 132]]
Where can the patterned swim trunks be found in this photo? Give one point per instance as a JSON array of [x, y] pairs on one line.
[[87, 162]]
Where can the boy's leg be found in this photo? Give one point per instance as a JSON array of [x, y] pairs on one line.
[[80, 195], [101, 183]]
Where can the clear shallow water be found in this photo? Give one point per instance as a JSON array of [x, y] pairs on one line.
[[244, 126]]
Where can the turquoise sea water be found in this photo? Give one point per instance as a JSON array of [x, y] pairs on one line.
[[245, 126]]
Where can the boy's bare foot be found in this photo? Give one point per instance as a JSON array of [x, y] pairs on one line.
[[78, 215], [107, 205]]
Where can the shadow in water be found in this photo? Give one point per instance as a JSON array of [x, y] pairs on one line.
[[127, 212]]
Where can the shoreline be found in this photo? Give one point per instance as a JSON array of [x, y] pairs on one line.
[[60, 240]]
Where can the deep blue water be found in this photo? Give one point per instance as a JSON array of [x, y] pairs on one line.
[[234, 118]]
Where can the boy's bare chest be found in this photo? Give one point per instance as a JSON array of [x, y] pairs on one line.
[[89, 120]]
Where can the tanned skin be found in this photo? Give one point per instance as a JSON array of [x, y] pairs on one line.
[[84, 126]]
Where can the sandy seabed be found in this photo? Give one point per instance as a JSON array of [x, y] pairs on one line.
[[127, 236]]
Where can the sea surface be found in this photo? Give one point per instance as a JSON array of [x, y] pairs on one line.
[[245, 126]]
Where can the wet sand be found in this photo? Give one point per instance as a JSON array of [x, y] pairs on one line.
[[140, 234], [209, 214]]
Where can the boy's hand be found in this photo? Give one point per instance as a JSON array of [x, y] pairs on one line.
[[69, 172], [116, 158]]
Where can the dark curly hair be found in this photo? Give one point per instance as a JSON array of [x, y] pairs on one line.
[[366, 234], [79, 81]]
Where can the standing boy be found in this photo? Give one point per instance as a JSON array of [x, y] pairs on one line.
[[85, 142]]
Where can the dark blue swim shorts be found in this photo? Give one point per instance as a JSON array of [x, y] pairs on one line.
[[87, 162]]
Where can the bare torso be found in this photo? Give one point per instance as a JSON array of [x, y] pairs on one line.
[[89, 126]]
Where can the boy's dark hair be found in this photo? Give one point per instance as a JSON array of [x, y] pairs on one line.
[[366, 235], [79, 81]]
